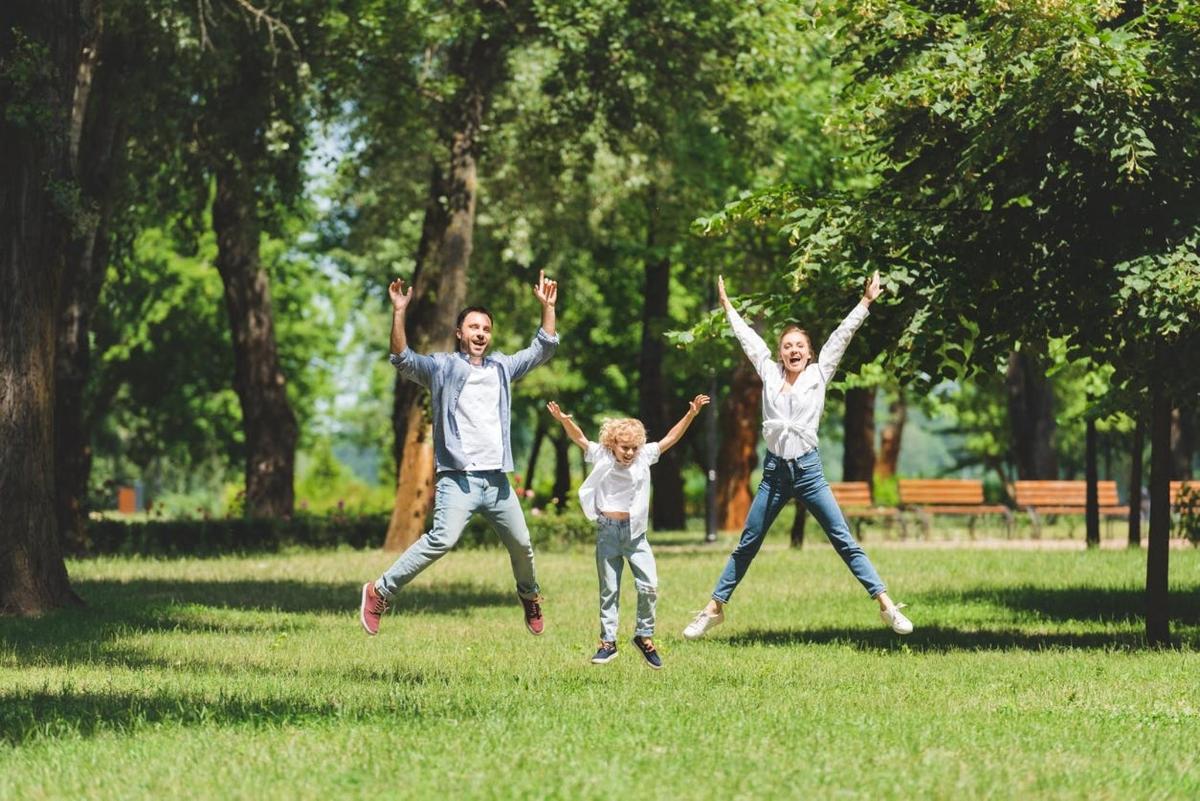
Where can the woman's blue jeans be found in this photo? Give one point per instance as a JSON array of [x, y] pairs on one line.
[[784, 480]]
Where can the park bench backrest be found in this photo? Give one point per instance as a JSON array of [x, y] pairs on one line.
[[1176, 486], [1062, 493], [934, 491], [851, 493]]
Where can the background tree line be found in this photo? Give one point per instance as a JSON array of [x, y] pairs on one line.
[[1024, 176]]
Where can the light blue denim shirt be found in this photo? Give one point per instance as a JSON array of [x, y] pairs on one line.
[[445, 375]]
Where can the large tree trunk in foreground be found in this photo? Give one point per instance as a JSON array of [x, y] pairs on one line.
[[33, 230], [1135, 483], [667, 510], [1158, 621], [739, 440], [267, 420], [858, 457], [1031, 415], [97, 144], [439, 289], [888, 463]]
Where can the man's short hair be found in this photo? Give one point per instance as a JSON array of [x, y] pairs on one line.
[[462, 315]]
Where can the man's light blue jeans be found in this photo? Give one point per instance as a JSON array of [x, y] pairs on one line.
[[613, 547], [458, 496], [783, 480]]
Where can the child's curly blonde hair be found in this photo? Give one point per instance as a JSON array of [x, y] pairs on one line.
[[613, 429]]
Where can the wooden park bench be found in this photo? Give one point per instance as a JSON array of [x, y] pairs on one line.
[[1064, 498], [926, 497], [854, 497], [1179, 500], [1177, 488]]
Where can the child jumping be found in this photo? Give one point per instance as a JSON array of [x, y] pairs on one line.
[[616, 494]]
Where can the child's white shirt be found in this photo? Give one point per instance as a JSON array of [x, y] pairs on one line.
[[612, 487]]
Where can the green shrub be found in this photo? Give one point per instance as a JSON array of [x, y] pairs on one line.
[[546, 530], [243, 535]]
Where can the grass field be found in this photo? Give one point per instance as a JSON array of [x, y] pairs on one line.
[[250, 678]]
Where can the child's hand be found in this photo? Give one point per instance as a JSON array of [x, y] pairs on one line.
[[698, 403], [556, 412]]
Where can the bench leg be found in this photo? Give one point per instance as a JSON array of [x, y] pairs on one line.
[[926, 523], [1035, 523]]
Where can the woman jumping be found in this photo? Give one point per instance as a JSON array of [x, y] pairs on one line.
[[792, 400]]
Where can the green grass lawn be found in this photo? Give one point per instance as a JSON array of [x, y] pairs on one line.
[[250, 678]]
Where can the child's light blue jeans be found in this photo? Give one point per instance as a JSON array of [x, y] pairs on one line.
[[613, 547]]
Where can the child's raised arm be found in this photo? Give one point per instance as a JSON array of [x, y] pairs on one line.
[[677, 431], [573, 430]]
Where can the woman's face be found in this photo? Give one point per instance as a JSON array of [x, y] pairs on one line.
[[795, 352]]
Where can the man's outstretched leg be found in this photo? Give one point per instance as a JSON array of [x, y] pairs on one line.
[[503, 511], [453, 502]]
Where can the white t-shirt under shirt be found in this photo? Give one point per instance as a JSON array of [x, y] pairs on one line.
[[612, 487], [478, 418], [791, 413]]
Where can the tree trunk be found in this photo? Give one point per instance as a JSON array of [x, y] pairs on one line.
[[888, 463], [439, 287], [535, 449], [562, 471], [667, 511], [738, 457], [798, 524], [1092, 503], [1183, 441], [34, 228], [1031, 415], [1158, 621], [1135, 483], [858, 458], [267, 421], [97, 146]]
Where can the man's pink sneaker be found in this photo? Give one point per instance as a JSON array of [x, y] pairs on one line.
[[533, 615], [372, 608]]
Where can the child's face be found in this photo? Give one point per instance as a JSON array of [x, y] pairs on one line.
[[626, 450]]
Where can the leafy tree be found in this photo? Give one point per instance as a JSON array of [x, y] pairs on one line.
[[39, 209], [1032, 176]]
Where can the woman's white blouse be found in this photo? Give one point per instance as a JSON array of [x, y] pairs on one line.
[[792, 412]]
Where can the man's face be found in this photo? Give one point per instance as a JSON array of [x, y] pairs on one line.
[[475, 334]]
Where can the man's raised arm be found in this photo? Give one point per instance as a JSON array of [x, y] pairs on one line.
[[413, 366]]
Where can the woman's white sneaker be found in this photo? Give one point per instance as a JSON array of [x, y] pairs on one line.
[[895, 618], [702, 623]]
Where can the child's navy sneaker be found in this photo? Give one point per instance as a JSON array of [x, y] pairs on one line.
[[648, 651], [606, 653]]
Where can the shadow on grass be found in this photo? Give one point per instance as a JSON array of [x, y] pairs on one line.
[[1117, 605], [1032, 607], [940, 639], [31, 715], [120, 609], [287, 596]]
